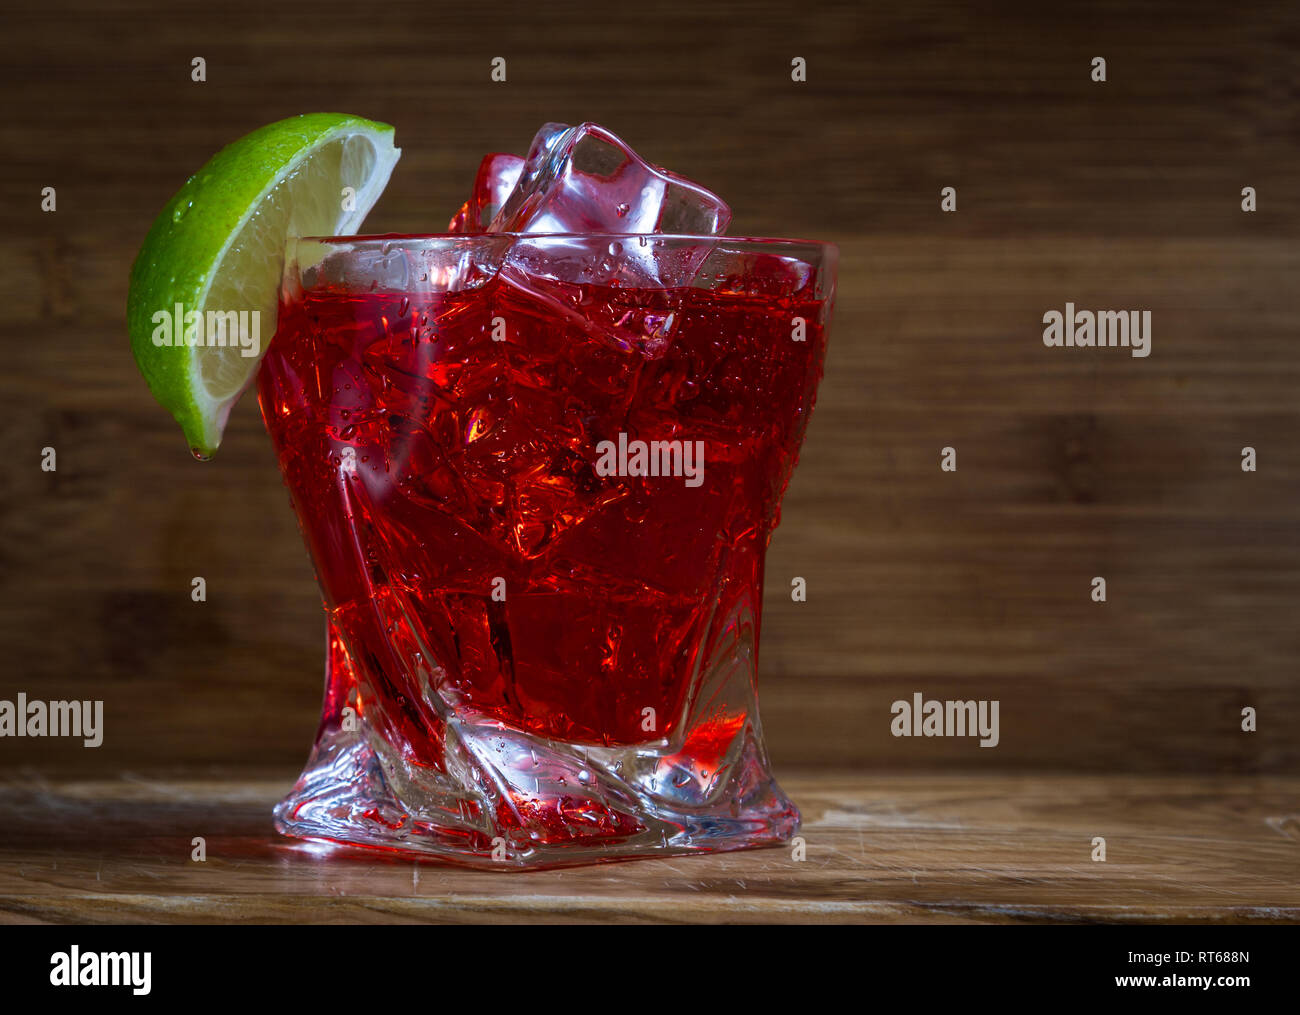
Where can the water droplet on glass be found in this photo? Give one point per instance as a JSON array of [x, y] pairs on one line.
[[622, 210]]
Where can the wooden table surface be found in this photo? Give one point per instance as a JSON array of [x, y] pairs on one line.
[[882, 848]]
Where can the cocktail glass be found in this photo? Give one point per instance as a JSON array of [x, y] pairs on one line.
[[537, 476]]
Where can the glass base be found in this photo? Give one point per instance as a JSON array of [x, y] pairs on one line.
[[508, 819], [494, 797]]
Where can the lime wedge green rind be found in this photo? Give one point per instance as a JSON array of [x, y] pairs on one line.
[[183, 253]]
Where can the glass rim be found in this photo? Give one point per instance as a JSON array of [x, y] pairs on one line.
[[431, 239]]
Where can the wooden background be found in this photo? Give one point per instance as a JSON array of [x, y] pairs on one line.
[[1072, 463]]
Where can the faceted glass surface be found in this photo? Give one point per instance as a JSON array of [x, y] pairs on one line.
[[538, 500]]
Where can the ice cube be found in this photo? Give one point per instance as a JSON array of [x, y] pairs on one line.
[[584, 179], [497, 176]]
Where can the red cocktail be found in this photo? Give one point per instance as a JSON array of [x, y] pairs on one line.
[[537, 475]]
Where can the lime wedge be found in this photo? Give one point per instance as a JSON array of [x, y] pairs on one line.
[[215, 253]]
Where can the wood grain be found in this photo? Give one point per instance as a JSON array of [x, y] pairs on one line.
[[1072, 463], [889, 849]]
